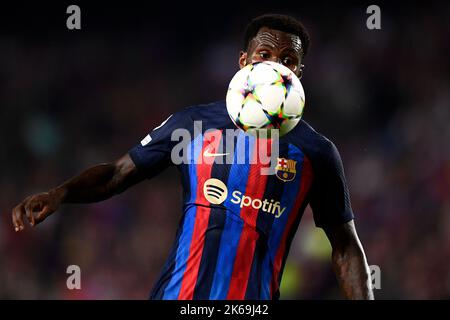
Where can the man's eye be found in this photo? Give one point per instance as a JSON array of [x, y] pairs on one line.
[[264, 55], [288, 61]]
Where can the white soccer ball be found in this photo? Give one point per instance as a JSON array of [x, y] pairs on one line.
[[265, 95]]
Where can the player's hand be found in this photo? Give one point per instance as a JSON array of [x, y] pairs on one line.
[[36, 208]]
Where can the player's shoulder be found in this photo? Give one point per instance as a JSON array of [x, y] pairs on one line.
[[315, 144], [213, 115], [186, 116], [200, 111]]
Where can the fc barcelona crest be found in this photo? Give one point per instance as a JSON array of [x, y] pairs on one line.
[[285, 169]]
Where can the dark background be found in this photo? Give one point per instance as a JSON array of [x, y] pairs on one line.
[[71, 99]]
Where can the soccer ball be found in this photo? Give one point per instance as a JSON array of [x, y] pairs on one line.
[[265, 95]]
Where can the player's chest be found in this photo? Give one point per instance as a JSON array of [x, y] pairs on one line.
[[255, 179]]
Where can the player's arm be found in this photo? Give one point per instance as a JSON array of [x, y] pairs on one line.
[[349, 262], [97, 183], [330, 201], [145, 160]]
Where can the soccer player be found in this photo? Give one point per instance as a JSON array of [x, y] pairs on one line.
[[237, 224]]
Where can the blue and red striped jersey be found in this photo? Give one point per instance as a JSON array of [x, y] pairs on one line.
[[238, 223]]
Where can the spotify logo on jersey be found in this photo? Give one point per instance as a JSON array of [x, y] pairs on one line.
[[215, 191]]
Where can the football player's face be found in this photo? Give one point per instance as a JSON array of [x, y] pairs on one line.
[[274, 45]]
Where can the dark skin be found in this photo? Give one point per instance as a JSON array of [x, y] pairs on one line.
[[276, 46], [103, 181]]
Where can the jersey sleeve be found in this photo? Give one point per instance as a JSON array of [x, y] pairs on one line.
[[329, 198], [153, 154]]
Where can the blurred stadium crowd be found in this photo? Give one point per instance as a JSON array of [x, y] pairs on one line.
[[69, 100]]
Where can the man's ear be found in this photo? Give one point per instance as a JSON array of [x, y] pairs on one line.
[[242, 59], [300, 71]]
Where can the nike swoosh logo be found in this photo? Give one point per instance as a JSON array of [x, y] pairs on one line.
[[206, 153]]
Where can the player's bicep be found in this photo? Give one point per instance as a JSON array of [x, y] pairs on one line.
[[126, 173], [342, 235]]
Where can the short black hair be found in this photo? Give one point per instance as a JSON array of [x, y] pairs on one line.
[[278, 22]]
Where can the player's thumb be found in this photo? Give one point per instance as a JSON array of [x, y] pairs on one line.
[[41, 215]]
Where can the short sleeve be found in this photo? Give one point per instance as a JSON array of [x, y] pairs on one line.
[[153, 154], [329, 197]]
